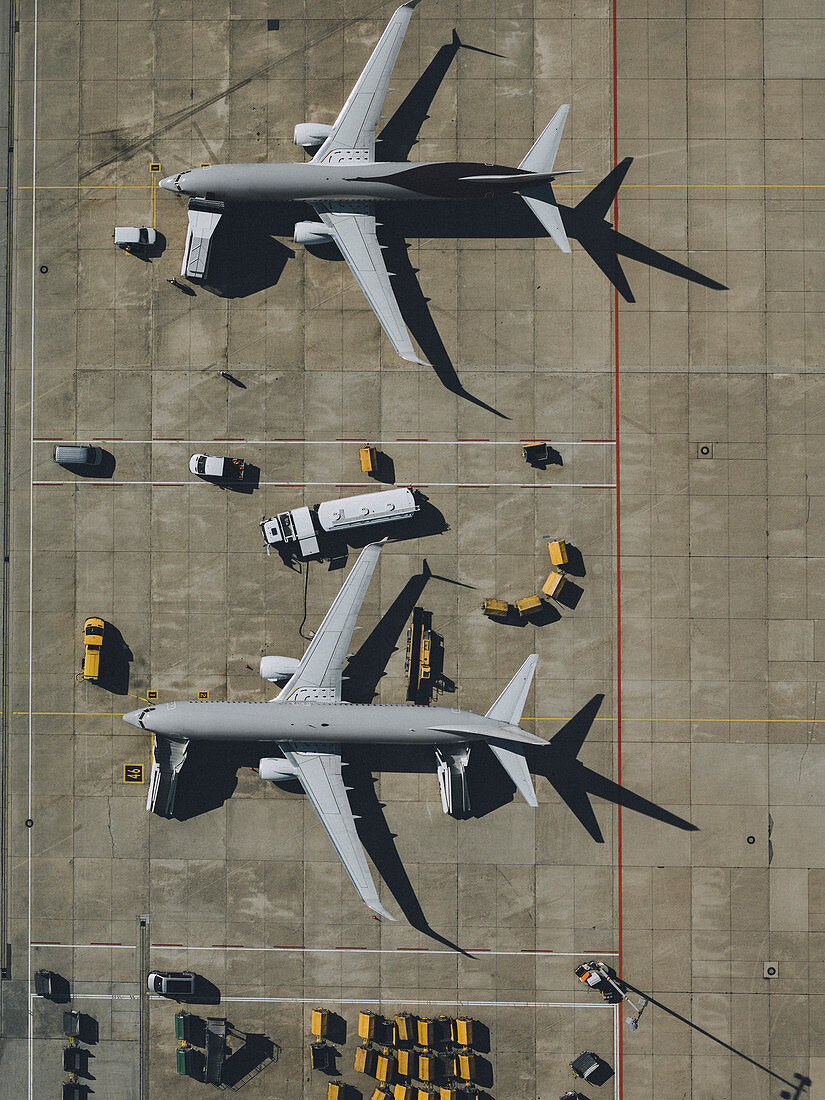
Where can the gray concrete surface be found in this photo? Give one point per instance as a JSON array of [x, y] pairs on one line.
[[700, 617]]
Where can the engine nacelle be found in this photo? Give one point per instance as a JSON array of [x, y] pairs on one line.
[[310, 233], [276, 769], [276, 669], [311, 135]]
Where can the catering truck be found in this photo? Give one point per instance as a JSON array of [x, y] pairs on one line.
[[297, 531]]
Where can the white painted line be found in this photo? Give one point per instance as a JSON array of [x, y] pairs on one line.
[[537, 953], [343, 484], [459, 1002], [374, 443]]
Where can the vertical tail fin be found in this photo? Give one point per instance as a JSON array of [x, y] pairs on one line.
[[541, 158], [510, 704]]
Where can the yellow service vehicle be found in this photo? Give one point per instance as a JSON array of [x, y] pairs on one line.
[[93, 641]]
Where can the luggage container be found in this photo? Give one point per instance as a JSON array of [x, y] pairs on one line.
[[554, 585], [367, 1025], [426, 1033], [369, 459], [528, 606], [495, 609], [558, 552], [406, 1027], [463, 1031], [319, 1022], [385, 1067]]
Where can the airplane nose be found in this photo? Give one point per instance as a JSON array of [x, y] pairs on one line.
[[170, 183], [135, 717]]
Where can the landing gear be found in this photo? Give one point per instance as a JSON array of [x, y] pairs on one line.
[[452, 780]]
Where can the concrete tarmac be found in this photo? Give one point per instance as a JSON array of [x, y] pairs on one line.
[[689, 429]]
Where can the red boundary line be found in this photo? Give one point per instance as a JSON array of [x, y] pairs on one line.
[[619, 883]]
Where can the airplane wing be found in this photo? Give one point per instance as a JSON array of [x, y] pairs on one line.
[[319, 773], [318, 675], [356, 238], [353, 133]]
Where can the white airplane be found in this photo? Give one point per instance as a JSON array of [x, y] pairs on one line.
[[343, 183], [310, 723]]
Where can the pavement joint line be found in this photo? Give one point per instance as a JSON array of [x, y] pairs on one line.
[[334, 950], [30, 687]]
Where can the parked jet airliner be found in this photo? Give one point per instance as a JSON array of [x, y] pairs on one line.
[[345, 184], [309, 723]]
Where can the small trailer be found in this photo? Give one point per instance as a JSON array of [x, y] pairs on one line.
[[215, 1050], [298, 529]]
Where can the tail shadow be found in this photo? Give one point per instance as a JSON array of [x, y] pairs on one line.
[[574, 783]]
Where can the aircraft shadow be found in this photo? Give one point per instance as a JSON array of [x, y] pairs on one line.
[[366, 666], [245, 259], [574, 782], [379, 844]]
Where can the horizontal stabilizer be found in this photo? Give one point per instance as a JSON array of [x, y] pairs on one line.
[[511, 758], [510, 704], [550, 217]]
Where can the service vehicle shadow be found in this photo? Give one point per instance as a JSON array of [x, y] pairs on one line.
[[542, 616], [115, 659], [247, 484], [574, 567], [102, 471], [206, 993]]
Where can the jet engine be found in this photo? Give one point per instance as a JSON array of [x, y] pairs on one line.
[[277, 669], [310, 233], [311, 135], [276, 769]]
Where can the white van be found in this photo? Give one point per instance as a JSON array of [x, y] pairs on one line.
[[77, 454]]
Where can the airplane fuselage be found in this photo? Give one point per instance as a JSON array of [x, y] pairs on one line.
[[335, 723], [352, 181]]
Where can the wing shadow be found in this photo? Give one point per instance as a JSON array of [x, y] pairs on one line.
[[379, 844], [365, 667]]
